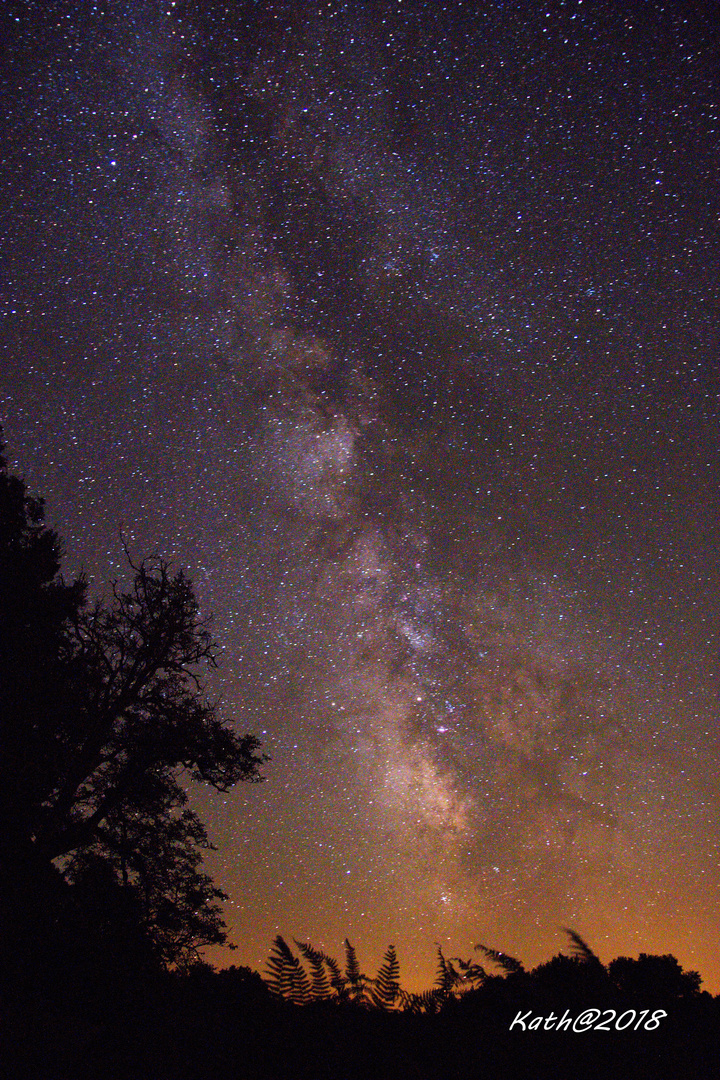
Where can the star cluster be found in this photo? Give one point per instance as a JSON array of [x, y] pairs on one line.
[[396, 324]]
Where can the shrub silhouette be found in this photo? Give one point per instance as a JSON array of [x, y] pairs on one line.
[[653, 976]]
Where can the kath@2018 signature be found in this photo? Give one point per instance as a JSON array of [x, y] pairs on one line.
[[591, 1020]]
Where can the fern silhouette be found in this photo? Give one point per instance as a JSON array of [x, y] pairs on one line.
[[287, 977], [470, 974], [325, 981], [338, 983], [352, 968], [447, 976], [280, 968], [325, 986], [357, 983], [509, 964], [385, 992], [582, 951], [428, 1002], [318, 961]]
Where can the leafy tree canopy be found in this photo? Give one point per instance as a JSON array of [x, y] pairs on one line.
[[103, 712]]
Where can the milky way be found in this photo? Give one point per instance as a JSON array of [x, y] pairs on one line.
[[396, 325]]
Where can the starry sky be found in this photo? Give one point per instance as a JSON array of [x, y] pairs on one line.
[[396, 325]]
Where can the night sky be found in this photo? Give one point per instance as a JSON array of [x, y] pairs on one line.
[[396, 325]]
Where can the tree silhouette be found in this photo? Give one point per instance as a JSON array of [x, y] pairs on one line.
[[103, 712], [139, 718], [37, 609], [157, 854]]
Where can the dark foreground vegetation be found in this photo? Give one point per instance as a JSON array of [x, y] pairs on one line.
[[105, 906], [73, 1019]]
